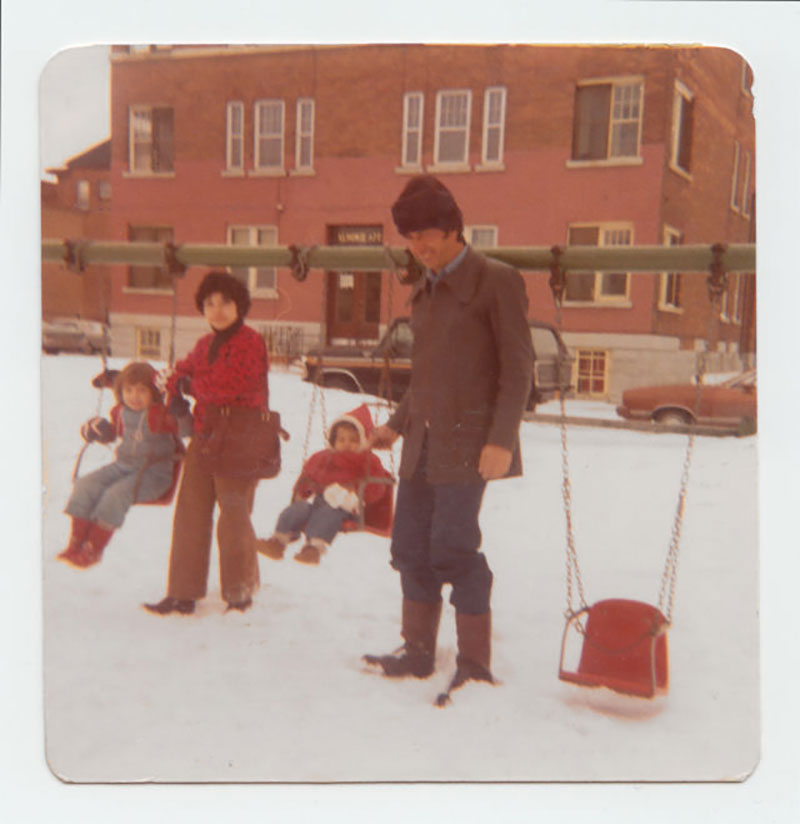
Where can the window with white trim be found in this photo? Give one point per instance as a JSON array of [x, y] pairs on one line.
[[304, 138], [736, 203], [494, 124], [148, 343], [608, 119], [150, 139], [451, 145], [269, 131], [591, 373], [234, 141], [83, 190], [483, 237], [413, 109], [262, 281], [682, 128], [598, 287], [745, 198], [669, 293]]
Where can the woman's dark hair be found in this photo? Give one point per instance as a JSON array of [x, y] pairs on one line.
[[137, 372], [426, 203], [227, 285]]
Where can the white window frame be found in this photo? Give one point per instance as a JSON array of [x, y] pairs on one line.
[[599, 299], [680, 95], [489, 125], [233, 138], [258, 166], [469, 232], [408, 99], [737, 150], [461, 164], [591, 353], [665, 279], [83, 194], [745, 206], [148, 342], [611, 159], [133, 111], [302, 134], [252, 271]]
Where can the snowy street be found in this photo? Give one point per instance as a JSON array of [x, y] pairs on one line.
[[279, 693]]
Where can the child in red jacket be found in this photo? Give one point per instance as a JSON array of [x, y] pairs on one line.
[[326, 494], [143, 469]]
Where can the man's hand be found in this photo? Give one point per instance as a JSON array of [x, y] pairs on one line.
[[383, 437], [494, 462]]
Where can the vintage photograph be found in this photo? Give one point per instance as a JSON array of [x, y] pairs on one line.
[[400, 414]]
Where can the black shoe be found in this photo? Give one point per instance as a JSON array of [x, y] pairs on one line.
[[406, 661], [168, 605], [240, 606]]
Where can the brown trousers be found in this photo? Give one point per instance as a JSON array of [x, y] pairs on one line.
[[192, 531]]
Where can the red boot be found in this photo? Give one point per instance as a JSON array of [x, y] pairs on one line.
[[91, 550], [78, 532]]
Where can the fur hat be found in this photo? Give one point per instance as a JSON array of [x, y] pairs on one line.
[[137, 372], [227, 285], [360, 419], [426, 203]]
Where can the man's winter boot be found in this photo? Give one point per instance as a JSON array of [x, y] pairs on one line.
[[79, 529], [473, 662], [169, 604], [417, 655]]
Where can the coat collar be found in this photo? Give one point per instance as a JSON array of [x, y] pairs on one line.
[[463, 281]]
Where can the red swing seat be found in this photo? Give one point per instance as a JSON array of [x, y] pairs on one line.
[[624, 648], [376, 517]]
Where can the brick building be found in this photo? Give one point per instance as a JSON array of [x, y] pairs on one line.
[[540, 146]]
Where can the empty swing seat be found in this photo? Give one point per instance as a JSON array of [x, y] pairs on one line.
[[624, 648]]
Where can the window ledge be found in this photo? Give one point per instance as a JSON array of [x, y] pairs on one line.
[[275, 172], [597, 304], [497, 166], [449, 168], [133, 290], [611, 161], [302, 173], [232, 173], [409, 170], [672, 310], [681, 172], [149, 175], [264, 294]]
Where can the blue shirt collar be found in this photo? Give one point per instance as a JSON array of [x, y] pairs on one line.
[[435, 277]]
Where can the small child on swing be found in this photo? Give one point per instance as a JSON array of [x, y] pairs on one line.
[[326, 494], [142, 470]]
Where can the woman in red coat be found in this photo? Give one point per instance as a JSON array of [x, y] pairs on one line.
[[227, 367]]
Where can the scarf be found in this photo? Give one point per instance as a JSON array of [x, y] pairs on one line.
[[221, 337]]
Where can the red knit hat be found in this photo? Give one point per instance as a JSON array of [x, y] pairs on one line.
[[361, 419]]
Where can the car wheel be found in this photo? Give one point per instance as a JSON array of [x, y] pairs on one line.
[[340, 382], [673, 417]]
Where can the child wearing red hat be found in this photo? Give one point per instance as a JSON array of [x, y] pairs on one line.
[[325, 495]]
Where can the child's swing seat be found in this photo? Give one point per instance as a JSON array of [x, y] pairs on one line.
[[624, 648], [376, 517], [165, 499]]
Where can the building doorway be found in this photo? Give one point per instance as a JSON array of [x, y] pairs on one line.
[[354, 298]]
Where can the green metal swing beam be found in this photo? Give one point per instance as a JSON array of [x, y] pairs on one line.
[[733, 257]]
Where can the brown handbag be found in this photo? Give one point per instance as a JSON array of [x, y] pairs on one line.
[[241, 442]]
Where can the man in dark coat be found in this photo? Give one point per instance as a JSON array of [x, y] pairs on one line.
[[472, 366]]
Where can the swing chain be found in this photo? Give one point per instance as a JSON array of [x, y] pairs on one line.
[[74, 259], [299, 264]]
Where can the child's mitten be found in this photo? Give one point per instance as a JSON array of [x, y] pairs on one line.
[[97, 429], [338, 497]]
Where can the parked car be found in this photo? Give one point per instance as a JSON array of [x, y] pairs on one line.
[[730, 404], [385, 369], [74, 335]]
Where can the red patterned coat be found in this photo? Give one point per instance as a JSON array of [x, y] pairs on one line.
[[236, 377]]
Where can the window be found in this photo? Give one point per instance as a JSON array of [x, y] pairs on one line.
[[669, 298], [591, 366], [269, 135], [150, 277], [736, 203], [452, 127], [481, 236], [598, 287], [151, 139], [746, 185], [234, 142], [413, 103], [104, 190], [608, 120], [682, 128], [262, 281], [148, 342], [304, 143], [82, 193], [740, 180], [494, 117]]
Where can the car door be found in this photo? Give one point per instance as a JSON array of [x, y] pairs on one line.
[[553, 365]]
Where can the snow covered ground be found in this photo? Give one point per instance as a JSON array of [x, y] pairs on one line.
[[279, 693]]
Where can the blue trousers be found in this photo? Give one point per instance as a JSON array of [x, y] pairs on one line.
[[316, 518], [105, 495], [436, 540]]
